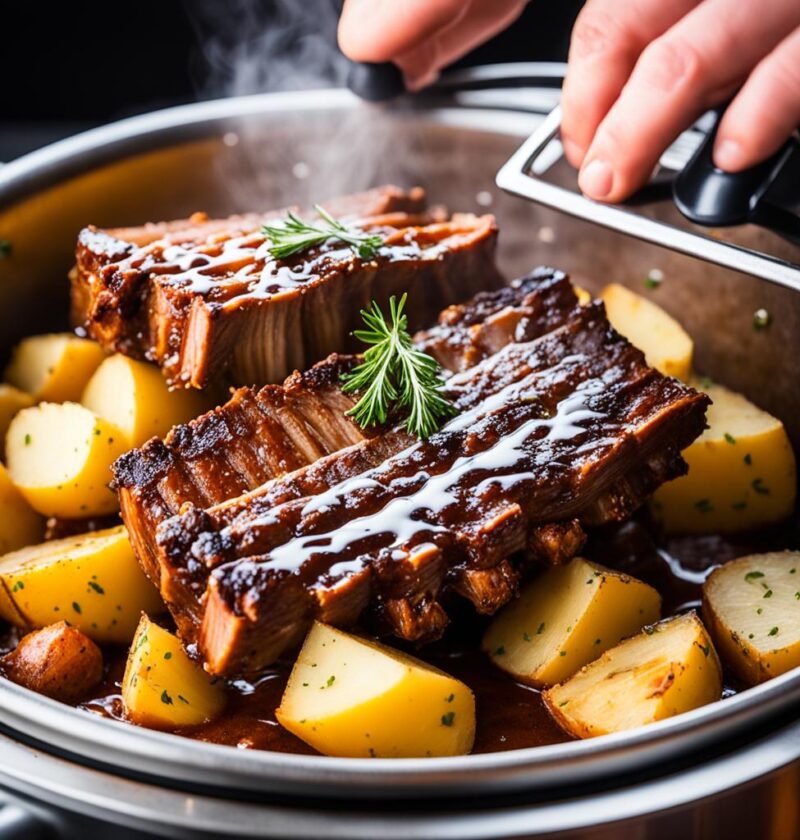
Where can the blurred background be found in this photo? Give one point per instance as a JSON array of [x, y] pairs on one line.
[[70, 66]]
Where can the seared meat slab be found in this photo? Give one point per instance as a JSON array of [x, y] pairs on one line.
[[565, 426], [205, 299], [260, 435]]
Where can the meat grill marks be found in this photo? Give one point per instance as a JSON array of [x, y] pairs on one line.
[[576, 429], [260, 435], [209, 298], [257, 435]]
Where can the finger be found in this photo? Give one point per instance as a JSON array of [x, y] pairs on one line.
[[676, 78], [765, 112], [483, 20], [380, 30], [607, 39]]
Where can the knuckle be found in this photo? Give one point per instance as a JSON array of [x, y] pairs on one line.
[[595, 32], [784, 73], [668, 63]]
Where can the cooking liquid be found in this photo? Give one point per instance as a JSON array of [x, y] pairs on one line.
[[509, 715]]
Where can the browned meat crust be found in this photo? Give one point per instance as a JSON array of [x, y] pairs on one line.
[[567, 425], [205, 300], [260, 435]]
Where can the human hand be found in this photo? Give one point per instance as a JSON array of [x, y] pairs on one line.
[[642, 71], [421, 36]]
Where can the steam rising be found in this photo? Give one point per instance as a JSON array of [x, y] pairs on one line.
[[266, 46], [258, 46]]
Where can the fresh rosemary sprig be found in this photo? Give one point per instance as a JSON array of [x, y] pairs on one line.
[[395, 375], [294, 235]]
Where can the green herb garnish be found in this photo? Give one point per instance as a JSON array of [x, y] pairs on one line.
[[294, 235], [5, 249], [761, 319], [394, 374], [753, 576], [447, 720]]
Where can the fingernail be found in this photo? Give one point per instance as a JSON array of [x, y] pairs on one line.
[[596, 179], [573, 151], [728, 154]]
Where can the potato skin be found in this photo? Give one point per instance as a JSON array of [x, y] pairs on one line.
[[353, 697], [77, 493], [12, 401], [93, 579], [54, 367], [163, 688], [743, 634], [669, 668], [666, 345], [20, 525], [742, 471], [58, 661], [134, 396]]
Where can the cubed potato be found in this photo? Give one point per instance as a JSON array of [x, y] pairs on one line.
[[162, 687], [669, 668], [752, 608], [12, 400], [664, 342], [58, 661], [567, 617], [134, 396], [348, 696], [20, 525], [742, 471], [54, 367], [59, 457], [92, 581]]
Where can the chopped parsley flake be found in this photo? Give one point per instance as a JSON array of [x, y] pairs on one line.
[[77, 607], [28, 440], [447, 720], [168, 654], [748, 459], [751, 576], [730, 438], [704, 505], [768, 593], [761, 319], [5, 249], [97, 588], [540, 629], [499, 651], [759, 486], [773, 632], [165, 698]]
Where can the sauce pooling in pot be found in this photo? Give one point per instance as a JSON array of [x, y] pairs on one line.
[[509, 715]]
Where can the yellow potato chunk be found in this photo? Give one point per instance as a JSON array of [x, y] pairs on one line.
[[742, 471], [162, 688], [669, 668], [752, 608], [567, 617], [12, 400], [135, 397], [351, 697], [91, 580], [59, 457], [54, 367], [20, 525], [666, 345]]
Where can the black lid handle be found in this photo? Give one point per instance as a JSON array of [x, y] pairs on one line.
[[710, 196], [375, 82]]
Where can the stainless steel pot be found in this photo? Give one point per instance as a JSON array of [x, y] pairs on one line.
[[268, 150]]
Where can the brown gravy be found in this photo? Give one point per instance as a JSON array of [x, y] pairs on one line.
[[510, 715]]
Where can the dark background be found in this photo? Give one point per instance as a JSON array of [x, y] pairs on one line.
[[69, 66]]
